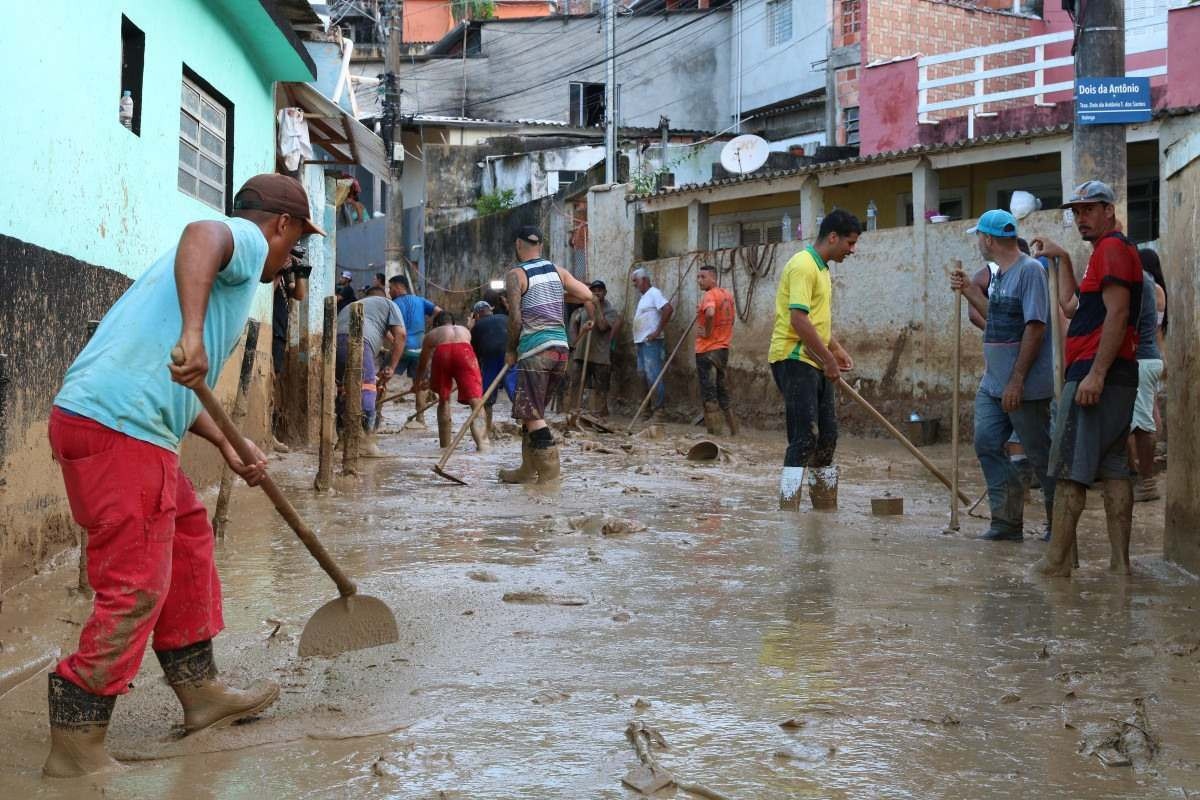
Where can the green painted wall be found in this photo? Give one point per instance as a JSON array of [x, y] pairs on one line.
[[75, 181]]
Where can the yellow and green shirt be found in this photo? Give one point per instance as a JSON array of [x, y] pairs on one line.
[[805, 285]]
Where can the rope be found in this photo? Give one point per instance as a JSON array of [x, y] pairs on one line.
[[758, 261]]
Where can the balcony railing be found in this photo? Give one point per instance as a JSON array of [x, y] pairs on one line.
[[1032, 50]]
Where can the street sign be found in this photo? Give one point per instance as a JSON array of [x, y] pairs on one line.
[[1112, 101]]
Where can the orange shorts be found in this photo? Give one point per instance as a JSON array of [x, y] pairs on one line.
[[455, 363]]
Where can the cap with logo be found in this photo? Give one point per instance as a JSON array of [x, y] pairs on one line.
[[347, 274], [482, 305], [998, 223], [598, 284], [276, 194], [1091, 192], [530, 234]]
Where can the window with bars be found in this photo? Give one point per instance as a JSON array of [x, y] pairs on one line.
[[851, 120], [779, 22], [851, 16], [205, 153]]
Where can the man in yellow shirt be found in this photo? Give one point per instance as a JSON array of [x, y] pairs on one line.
[[806, 362]]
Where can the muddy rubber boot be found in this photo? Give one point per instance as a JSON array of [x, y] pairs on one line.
[[823, 488], [445, 433], [547, 464], [731, 421], [207, 702], [78, 724], [712, 419], [791, 485], [527, 472], [1118, 511], [1146, 490], [368, 447], [600, 404], [1069, 499]]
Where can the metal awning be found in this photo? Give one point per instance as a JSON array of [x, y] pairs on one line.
[[345, 139]]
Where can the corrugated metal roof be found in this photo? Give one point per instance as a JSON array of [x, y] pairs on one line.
[[874, 158]]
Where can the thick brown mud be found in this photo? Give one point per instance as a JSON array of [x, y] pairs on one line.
[[779, 655]]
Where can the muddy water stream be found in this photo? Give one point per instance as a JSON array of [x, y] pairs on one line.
[[914, 664]]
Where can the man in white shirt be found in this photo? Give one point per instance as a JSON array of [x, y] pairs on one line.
[[649, 322]]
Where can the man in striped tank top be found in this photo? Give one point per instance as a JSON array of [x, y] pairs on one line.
[[537, 345]]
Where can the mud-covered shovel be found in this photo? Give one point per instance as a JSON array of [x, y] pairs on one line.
[[440, 467], [351, 622]]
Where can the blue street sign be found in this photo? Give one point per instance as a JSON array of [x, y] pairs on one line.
[[1112, 101]]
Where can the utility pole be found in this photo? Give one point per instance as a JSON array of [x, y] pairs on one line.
[[610, 93], [393, 252], [1099, 150]]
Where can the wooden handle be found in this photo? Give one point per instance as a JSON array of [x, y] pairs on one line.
[[207, 399], [587, 352], [458, 437], [661, 374], [900, 437], [958, 301]]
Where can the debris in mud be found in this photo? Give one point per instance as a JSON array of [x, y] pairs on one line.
[[947, 720], [541, 598], [1129, 742], [620, 527], [792, 724], [1009, 698], [604, 525], [641, 704], [548, 697], [621, 616], [483, 576]]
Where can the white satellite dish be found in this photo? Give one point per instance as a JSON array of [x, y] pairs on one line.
[[744, 153]]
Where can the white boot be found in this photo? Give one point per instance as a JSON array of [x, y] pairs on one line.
[[791, 482]]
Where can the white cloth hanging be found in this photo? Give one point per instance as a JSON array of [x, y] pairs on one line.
[[294, 143]]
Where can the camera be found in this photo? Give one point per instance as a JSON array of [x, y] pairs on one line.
[[300, 268]]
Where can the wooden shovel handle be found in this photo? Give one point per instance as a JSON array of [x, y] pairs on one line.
[[345, 586], [661, 374], [900, 437], [458, 437]]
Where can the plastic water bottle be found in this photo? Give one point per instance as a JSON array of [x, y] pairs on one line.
[[914, 417], [127, 109]]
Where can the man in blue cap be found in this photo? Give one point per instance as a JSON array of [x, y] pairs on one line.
[[1018, 379]]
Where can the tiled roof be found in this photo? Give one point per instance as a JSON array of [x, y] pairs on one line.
[[874, 158]]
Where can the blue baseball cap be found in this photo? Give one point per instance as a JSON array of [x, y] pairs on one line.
[[998, 223]]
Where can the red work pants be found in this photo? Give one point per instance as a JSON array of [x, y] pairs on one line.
[[149, 552]]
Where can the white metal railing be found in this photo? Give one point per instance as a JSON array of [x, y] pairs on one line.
[[979, 75]]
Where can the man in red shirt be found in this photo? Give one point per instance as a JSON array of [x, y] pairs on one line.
[[1096, 407], [714, 324]]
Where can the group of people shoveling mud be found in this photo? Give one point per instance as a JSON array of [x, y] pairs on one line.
[[133, 393]]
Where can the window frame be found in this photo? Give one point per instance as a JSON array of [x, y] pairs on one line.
[[577, 114], [853, 136], [779, 16], [133, 68], [206, 95]]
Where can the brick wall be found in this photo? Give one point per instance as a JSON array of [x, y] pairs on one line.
[[898, 28]]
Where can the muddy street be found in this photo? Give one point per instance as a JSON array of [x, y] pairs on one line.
[[831, 655]]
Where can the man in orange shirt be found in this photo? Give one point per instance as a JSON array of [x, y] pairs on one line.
[[714, 323]]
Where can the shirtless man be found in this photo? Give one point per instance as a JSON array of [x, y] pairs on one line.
[[448, 348]]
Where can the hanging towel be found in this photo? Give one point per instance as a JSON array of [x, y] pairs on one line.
[[293, 137]]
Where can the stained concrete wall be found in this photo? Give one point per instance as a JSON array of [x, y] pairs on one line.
[[893, 311]]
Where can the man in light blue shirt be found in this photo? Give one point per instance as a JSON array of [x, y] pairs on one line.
[[1017, 389], [115, 431], [416, 310]]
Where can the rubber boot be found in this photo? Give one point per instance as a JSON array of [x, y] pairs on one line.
[[527, 472], [1118, 511], [444, 422], [600, 404], [546, 462], [1069, 499], [731, 421], [207, 702], [791, 485], [78, 724], [712, 419], [368, 447], [823, 488]]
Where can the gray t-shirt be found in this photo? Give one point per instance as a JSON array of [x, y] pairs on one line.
[[600, 350], [1017, 297], [1147, 324], [379, 314]]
